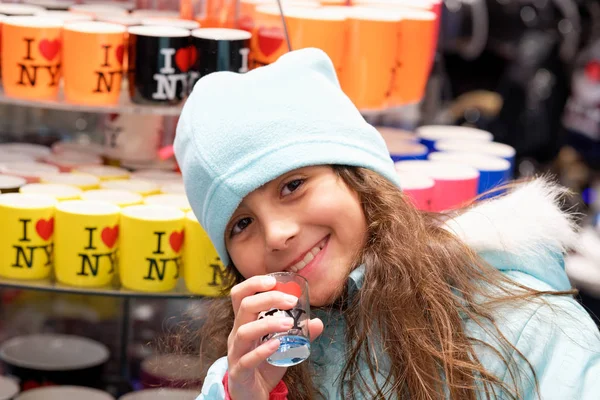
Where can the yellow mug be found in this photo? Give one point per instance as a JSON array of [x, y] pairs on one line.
[[87, 240], [54, 190], [104, 172], [81, 181], [139, 186], [173, 188], [26, 237], [170, 200], [151, 247], [204, 273], [121, 198]]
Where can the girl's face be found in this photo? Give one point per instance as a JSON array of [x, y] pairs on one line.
[[306, 221]]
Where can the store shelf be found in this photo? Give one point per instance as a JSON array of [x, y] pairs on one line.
[[180, 292], [125, 106]]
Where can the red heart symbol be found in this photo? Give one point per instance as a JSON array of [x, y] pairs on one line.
[[30, 384], [109, 235], [49, 49], [290, 288], [186, 57], [120, 52], [592, 71], [45, 228], [269, 39], [176, 240]]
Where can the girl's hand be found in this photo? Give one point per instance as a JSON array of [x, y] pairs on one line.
[[250, 376]]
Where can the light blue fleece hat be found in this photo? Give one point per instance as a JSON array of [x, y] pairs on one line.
[[239, 131]]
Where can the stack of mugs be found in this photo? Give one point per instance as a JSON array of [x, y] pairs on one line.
[[94, 243], [383, 50], [90, 49], [98, 225], [444, 167]]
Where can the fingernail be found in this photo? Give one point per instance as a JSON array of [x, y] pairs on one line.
[[290, 299], [268, 280], [287, 322]]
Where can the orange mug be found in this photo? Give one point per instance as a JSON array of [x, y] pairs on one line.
[[217, 14], [434, 6], [97, 10], [15, 9], [268, 38], [370, 56], [268, 41], [335, 2], [426, 5], [95, 78], [417, 41], [2, 17], [66, 16], [31, 57], [322, 28], [248, 13]]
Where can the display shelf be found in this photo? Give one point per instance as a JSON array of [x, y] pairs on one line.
[[49, 285], [125, 106]]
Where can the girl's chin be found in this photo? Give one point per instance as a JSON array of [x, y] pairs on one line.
[[324, 298]]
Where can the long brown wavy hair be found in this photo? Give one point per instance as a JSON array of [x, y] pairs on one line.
[[420, 283]]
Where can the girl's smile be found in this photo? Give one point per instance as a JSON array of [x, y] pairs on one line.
[[310, 259]]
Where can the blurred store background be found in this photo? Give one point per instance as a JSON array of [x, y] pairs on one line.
[[524, 72]]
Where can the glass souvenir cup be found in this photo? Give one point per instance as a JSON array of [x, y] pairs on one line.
[[294, 344]]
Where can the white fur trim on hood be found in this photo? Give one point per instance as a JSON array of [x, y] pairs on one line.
[[522, 222]]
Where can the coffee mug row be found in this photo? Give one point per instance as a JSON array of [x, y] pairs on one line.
[[162, 62], [94, 244]]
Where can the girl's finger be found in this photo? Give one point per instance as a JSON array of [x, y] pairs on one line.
[[245, 338], [315, 328], [251, 306], [249, 287], [252, 360]]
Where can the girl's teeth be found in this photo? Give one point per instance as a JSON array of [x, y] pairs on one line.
[[307, 258], [300, 265]]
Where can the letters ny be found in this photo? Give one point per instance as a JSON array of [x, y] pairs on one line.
[[25, 254], [167, 80]]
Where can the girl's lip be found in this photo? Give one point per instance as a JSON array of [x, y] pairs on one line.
[[315, 261], [297, 260]]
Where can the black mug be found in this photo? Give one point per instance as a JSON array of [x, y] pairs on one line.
[[48, 359], [220, 49], [160, 58], [11, 184]]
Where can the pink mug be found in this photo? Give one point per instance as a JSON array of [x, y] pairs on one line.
[[455, 184]]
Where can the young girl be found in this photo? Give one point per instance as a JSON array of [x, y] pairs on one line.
[[285, 175]]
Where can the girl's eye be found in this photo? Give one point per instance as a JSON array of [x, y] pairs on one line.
[[240, 225], [291, 186]]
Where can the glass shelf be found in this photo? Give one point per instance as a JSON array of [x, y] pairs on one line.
[[125, 105], [50, 285]]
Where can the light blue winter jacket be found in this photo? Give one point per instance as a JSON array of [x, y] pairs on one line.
[[522, 235]]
